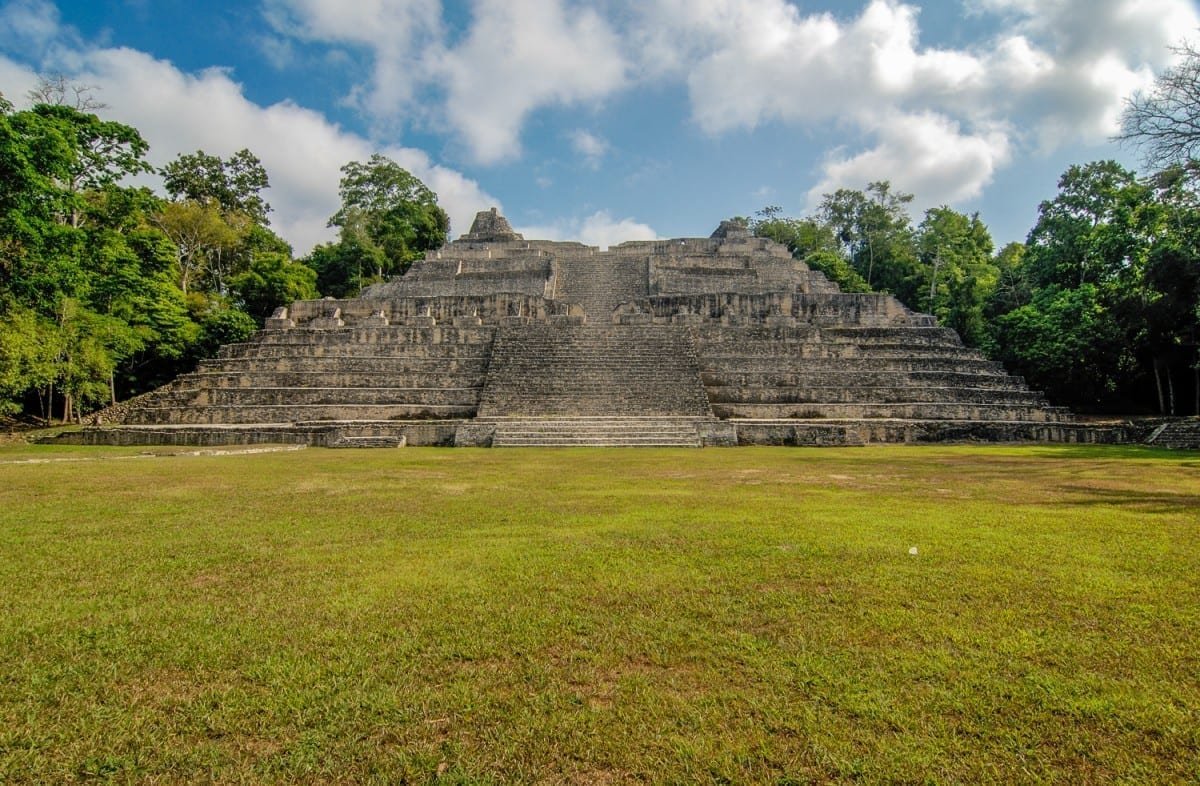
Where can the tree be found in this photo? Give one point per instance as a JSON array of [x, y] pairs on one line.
[[57, 89], [1164, 122], [1088, 232], [955, 252], [28, 348], [388, 214], [343, 267], [812, 242], [203, 238], [102, 152], [876, 233], [235, 184], [272, 280], [1067, 343]]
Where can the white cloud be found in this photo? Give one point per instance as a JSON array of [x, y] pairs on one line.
[[936, 121], [590, 146], [598, 229], [398, 33], [303, 152], [278, 52], [29, 24], [518, 56], [927, 155], [1057, 69], [521, 55]]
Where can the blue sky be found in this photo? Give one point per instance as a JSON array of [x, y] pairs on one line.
[[620, 119]]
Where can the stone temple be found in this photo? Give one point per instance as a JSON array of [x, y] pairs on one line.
[[495, 340]]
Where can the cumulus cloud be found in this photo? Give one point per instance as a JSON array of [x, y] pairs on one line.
[[398, 35], [1055, 74], [517, 56], [302, 151], [598, 229], [521, 55], [1056, 69], [927, 155]]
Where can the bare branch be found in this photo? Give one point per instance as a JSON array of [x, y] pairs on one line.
[[58, 90], [1164, 123]]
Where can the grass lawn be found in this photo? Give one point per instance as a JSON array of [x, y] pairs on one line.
[[743, 615]]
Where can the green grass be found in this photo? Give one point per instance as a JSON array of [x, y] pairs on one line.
[[601, 616]]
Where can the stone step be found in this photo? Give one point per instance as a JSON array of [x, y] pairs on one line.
[[867, 394], [439, 351], [366, 442], [582, 370], [391, 334], [338, 379], [1181, 434], [771, 379], [817, 351], [347, 364], [612, 432], [295, 396], [810, 365], [929, 410], [205, 415]]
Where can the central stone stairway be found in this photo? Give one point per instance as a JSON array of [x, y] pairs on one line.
[[600, 284], [598, 432], [594, 385]]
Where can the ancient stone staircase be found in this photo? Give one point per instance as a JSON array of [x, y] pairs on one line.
[[601, 283], [476, 347], [585, 371], [598, 432], [1183, 434]]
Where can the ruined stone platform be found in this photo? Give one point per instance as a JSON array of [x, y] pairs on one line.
[[494, 340]]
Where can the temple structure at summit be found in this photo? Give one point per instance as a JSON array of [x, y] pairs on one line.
[[495, 340]]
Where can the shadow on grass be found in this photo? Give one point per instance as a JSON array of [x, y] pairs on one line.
[[1110, 452], [1148, 501]]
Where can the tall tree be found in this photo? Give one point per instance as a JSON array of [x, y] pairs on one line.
[[235, 184], [203, 237], [1087, 233], [57, 89], [876, 232], [389, 213], [102, 152], [956, 256]]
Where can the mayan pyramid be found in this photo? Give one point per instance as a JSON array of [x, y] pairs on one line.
[[495, 340]]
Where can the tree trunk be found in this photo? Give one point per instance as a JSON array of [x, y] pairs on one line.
[[112, 386], [1171, 389], [1162, 409], [933, 281], [870, 260]]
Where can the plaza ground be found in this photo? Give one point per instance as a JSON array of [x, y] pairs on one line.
[[773, 615]]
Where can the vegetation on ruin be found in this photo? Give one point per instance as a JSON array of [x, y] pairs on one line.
[[600, 616]]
